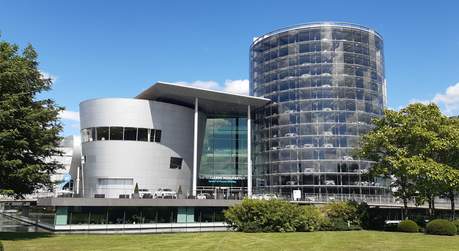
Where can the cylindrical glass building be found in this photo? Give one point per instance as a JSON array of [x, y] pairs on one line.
[[326, 83]]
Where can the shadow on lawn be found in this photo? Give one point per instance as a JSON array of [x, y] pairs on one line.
[[14, 236]]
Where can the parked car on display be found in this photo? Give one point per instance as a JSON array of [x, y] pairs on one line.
[[269, 196], [145, 194], [203, 196], [329, 182], [347, 158], [165, 193]]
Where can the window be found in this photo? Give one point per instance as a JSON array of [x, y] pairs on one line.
[[120, 133], [152, 135], [158, 136], [130, 133], [142, 134], [88, 134], [176, 163], [116, 133], [102, 133]]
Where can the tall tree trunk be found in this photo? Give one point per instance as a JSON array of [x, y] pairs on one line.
[[405, 208], [453, 206], [430, 208], [433, 207]]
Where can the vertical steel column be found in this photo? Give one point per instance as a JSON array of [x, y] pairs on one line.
[[249, 152], [195, 147]]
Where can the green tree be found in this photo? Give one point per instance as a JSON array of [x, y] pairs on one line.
[[29, 126], [413, 147]]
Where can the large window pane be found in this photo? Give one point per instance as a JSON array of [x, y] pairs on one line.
[[152, 135], [158, 136], [102, 133], [130, 133], [142, 134], [116, 133]]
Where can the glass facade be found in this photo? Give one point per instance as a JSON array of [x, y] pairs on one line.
[[224, 156], [326, 83]]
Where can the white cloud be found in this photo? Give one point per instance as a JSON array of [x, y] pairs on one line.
[[206, 84], [69, 115], [449, 100], [240, 86], [237, 86], [47, 75]]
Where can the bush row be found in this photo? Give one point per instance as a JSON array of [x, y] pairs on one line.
[[441, 227], [282, 216], [436, 227]]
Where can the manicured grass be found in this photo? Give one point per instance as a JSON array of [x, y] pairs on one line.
[[354, 240]]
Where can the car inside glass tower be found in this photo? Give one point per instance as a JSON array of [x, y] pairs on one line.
[[326, 82]]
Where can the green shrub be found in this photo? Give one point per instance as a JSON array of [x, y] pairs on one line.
[[341, 216], [441, 227], [264, 216], [311, 219], [1, 246], [456, 223], [408, 226]]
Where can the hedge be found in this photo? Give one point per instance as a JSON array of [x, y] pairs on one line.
[[1, 246], [456, 223], [441, 227], [282, 216], [408, 226]]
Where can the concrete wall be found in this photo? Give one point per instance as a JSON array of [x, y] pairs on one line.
[[147, 163]]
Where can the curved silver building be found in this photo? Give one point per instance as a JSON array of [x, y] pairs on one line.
[[326, 83], [129, 141], [159, 139]]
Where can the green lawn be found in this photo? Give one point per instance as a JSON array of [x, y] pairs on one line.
[[327, 241]]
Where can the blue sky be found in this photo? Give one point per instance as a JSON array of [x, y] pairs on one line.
[[118, 48]]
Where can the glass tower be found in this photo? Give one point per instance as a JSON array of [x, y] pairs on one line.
[[326, 83]]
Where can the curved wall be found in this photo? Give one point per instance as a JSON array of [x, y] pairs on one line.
[[326, 82], [113, 167]]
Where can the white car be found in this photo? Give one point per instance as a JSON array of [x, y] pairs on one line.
[[308, 145], [269, 196], [165, 193], [329, 182], [347, 158], [203, 196], [328, 145], [308, 170], [327, 133]]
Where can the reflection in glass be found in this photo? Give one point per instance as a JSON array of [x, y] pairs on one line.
[[325, 83]]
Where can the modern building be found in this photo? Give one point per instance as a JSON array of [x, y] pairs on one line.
[[326, 83], [314, 90], [189, 140]]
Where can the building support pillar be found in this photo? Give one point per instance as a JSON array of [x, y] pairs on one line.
[[195, 148], [249, 152]]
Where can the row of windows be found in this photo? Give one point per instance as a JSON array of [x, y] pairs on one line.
[[328, 47], [120, 133], [359, 83], [314, 34], [320, 70], [316, 58]]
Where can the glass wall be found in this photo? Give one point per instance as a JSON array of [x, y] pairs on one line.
[[326, 83], [224, 154], [138, 215]]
